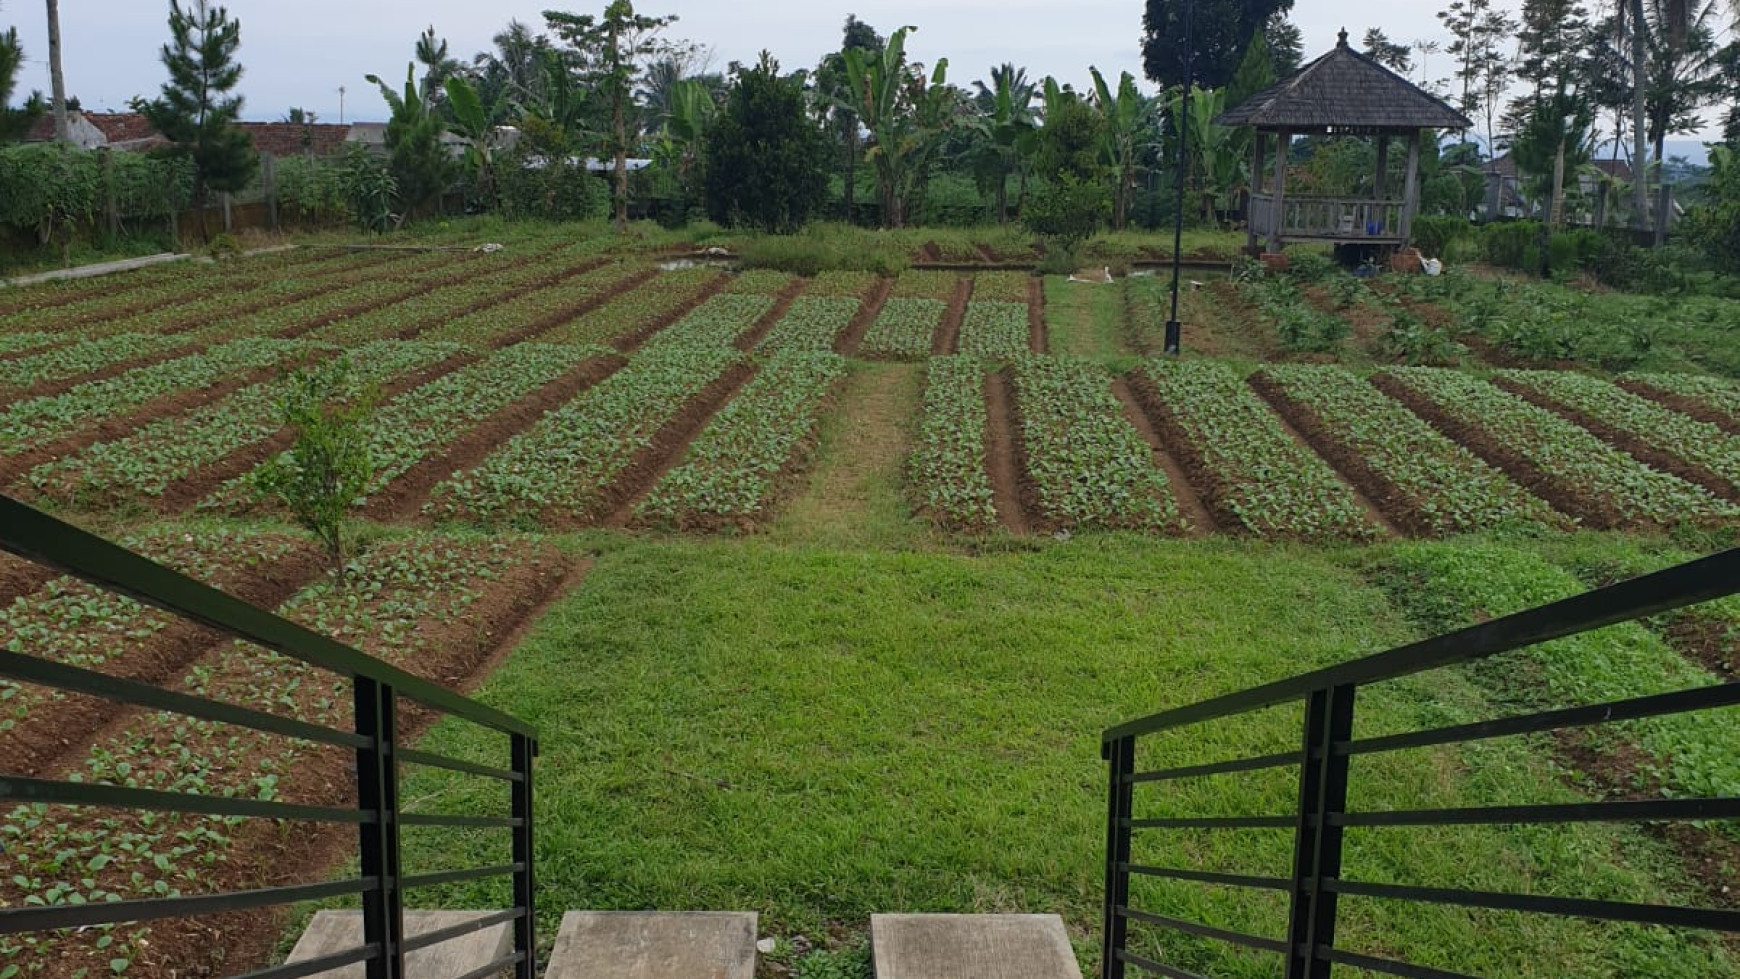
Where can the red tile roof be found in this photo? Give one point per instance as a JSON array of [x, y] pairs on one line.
[[290, 138]]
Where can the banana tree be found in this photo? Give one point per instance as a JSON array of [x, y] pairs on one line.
[[1218, 159], [1129, 120], [471, 121], [905, 113], [1007, 121]]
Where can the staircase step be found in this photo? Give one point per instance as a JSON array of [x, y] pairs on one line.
[[655, 945], [338, 931], [979, 946]]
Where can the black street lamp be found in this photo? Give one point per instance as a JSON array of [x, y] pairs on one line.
[[1174, 341]]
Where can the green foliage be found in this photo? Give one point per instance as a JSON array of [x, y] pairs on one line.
[[1066, 212], [369, 189], [472, 121], [1434, 235], [906, 113], [1221, 30], [947, 467], [52, 190], [15, 122], [1513, 245], [1071, 141], [538, 178], [1714, 227], [312, 191], [765, 161], [420, 165], [195, 111], [820, 248], [328, 467]]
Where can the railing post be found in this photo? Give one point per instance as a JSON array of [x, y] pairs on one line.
[[378, 792], [1317, 844], [1120, 758], [525, 749]]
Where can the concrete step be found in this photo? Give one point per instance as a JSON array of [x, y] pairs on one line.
[[337, 931], [655, 945], [971, 946]]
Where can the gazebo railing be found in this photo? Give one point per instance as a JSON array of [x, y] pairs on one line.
[[1328, 217]]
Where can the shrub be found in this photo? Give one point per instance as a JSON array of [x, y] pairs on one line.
[[328, 467], [1067, 212], [311, 191], [1434, 235]]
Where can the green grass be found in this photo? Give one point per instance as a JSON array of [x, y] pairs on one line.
[[1083, 319]]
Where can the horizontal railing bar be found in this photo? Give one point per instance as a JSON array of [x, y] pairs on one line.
[[1209, 877], [153, 800], [1574, 812], [1220, 768], [1707, 919], [1149, 965], [15, 920], [1655, 705], [447, 934], [1371, 964], [77, 679], [413, 757], [485, 971], [1691, 583], [459, 876], [1214, 822], [1204, 931], [315, 967], [36, 536], [430, 819]]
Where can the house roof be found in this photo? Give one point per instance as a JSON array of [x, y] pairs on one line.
[[291, 138], [1344, 89], [120, 130]]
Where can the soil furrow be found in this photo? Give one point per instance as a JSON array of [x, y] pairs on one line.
[[847, 343], [46, 346], [781, 305], [1684, 405], [666, 451], [58, 735], [1011, 497], [1213, 496], [404, 496], [1038, 341], [1629, 444], [948, 332], [1198, 521], [1560, 495], [48, 389], [628, 343], [568, 314], [20, 577]]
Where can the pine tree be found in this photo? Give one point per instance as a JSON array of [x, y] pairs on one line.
[[196, 111]]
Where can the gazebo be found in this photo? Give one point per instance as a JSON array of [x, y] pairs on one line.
[[1343, 93]]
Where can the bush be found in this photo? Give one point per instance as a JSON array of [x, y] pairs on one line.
[[528, 187], [53, 191], [1512, 245], [1434, 236], [952, 200], [765, 161], [312, 191], [823, 247], [1067, 212]]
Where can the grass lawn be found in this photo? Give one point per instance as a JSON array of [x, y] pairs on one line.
[[823, 734]]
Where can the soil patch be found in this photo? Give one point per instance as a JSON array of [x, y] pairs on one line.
[[401, 498], [1562, 496], [1013, 498], [1198, 521], [1177, 445], [848, 342], [948, 333], [781, 306], [1038, 341], [929, 253], [19, 577], [1372, 512], [616, 506], [1682, 404], [989, 256], [631, 342], [1366, 321]]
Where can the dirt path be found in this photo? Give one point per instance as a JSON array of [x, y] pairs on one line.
[[948, 333], [1198, 521], [847, 344], [763, 326], [1039, 342], [854, 494], [1002, 455]]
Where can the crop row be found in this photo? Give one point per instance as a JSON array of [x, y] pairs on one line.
[[758, 282], [1611, 486], [925, 284], [427, 605], [636, 312], [1441, 486], [566, 462], [540, 307], [1300, 325], [718, 322], [82, 357], [730, 473], [1090, 467], [31, 423], [1001, 287], [1637, 418], [140, 467], [813, 323], [12, 343], [1719, 395], [995, 331], [1257, 474], [947, 468], [844, 284], [905, 329]]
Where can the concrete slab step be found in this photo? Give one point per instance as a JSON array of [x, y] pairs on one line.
[[971, 946], [655, 945], [337, 931]]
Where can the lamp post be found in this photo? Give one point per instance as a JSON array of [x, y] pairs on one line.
[[1174, 332]]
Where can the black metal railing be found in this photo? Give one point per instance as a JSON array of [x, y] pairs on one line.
[[1324, 770], [379, 691]]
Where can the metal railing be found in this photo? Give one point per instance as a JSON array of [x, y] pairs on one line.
[[1323, 763], [379, 690]]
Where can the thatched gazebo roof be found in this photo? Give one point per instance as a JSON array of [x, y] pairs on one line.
[[1345, 92]]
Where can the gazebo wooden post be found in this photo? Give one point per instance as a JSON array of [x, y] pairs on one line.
[[1282, 140], [1383, 164], [1257, 140], [1411, 194]]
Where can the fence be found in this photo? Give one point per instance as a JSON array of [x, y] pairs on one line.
[[379, 693], [1324, 765]]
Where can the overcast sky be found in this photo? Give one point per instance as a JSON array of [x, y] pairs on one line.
[[299, 52]]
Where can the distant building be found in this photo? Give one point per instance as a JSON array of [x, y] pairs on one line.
[[131, 131], [1508, 194]]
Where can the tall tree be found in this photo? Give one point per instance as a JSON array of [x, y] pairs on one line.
[[1129, 125], [1552, 122], [906, 111], [1256, 72], [612, 49], [765, 160], [1481, 38], [438, 66], [834, 90], [197, 112], [56, 76], [1393, 55], [418, 161], [1219, 33], [14, 123], [1286, 44], [1006, 108]]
